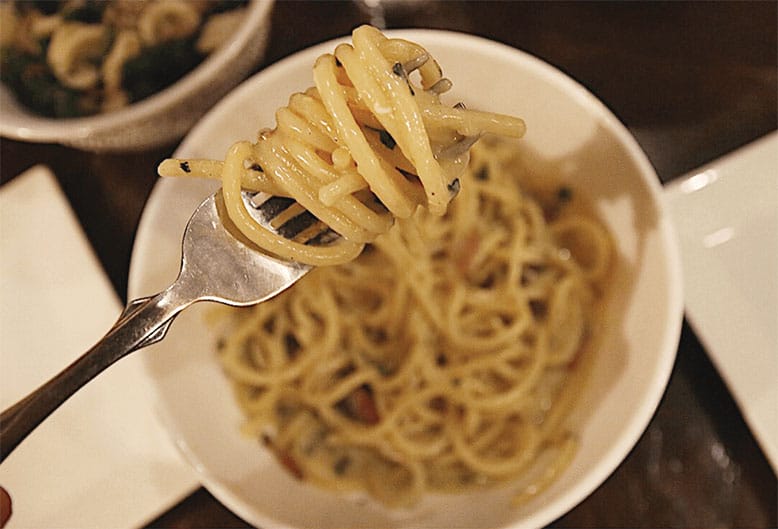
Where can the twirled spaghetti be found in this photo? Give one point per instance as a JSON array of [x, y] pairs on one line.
[[364, 146], [445, 357]]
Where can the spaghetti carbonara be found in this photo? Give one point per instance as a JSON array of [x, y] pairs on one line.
[[368, 144], [445, 357]]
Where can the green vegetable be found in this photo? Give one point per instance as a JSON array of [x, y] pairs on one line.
[[35, 87], [158, 67], [29, 77], [91, 12]]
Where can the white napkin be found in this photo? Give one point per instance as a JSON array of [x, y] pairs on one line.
[[101, 460], [726, 214]]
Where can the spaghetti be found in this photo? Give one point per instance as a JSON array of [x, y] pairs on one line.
[[445, 357], [366, 145]]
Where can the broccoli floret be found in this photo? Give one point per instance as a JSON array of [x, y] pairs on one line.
[[33, 84], [158, 67], [90, 12]]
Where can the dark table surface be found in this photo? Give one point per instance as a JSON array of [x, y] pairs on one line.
[[692, 81]]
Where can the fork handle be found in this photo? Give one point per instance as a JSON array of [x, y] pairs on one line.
[[143, 322]]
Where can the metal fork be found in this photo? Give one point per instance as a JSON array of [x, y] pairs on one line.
[[217, 264]]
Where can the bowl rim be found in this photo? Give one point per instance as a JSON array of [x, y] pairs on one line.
[[25, 125], [671, 265]]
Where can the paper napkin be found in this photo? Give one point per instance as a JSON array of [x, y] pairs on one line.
[[101, 460], [726, 214]]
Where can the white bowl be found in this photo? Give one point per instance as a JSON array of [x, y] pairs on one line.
[[567, 126], [160, 118]]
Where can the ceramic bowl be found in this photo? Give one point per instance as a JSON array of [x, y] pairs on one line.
[[161, 118], [568, 128]]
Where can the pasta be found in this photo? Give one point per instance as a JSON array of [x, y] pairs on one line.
[[444, 358], [364, 146], [80, 57]]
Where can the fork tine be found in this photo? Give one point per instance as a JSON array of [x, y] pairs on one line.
[[303, 226], [272, 206], [296, 225]]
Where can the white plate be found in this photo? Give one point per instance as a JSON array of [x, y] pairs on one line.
[[726, 213], [569, 131]]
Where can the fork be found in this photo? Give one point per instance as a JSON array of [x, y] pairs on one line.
[[217, 264]]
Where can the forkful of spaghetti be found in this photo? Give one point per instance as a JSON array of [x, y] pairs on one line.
[[364, 146], [370, 142]]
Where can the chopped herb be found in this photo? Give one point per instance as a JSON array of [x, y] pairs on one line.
[[382, 368], [453, 187], [487, 282], [399, 70], [387, 139], [185, 167], [291, 345], [341, 465], [269, 325], [564, 194], [482, 173]]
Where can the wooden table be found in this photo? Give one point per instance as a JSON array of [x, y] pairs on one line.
[[692, 81]]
